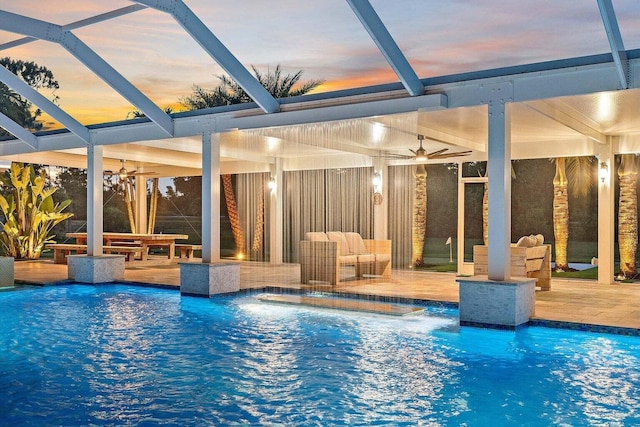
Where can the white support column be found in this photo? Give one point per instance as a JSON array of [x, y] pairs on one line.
[[210, 198], [606, 206], [141, 204], [460, 234], [95, 267], [94, 200], [276, 214], [211, 276], [466, 268], [499, 172]]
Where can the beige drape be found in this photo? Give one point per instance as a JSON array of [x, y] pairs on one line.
[[326, 200], [401, 184]]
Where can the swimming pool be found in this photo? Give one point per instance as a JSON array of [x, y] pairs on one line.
[[117, 354]]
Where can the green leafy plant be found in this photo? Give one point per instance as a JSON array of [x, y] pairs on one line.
[[29, 212]]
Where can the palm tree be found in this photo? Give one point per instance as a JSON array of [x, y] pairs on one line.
[[577, 172], [419, 228], [628, 215], [234, 217], [137, 114], [229, 92]]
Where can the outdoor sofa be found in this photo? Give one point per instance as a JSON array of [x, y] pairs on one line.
[[530, 257], [323, 254]]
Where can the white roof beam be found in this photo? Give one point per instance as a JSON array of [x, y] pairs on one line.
[[334, 142], [218, 51], [18, 131], [568, 119], [14, 82], [54, 33], [387, 45], [79, 24], [338, 112], [615, 40]]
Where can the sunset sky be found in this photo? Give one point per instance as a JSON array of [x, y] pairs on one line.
[[322, 38]]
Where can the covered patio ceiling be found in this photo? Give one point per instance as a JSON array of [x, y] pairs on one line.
[[570, 107]]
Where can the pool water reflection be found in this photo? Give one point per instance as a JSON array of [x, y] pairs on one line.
[[116, 354]]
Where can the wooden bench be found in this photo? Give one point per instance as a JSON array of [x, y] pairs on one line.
[[533, 261], [186, 251], [62, 250], [129, 251]]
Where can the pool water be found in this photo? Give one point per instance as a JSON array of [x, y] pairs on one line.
[[117, 354]]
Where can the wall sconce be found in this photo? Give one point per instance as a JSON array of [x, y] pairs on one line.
[[272, 184], [604, 171], [377, 188]]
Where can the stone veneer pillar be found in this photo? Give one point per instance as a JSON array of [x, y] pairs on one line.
[[485, 302], [206, 279], [95, 269], [6, 271]]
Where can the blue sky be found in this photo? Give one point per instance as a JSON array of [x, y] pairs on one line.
[[322, 38]]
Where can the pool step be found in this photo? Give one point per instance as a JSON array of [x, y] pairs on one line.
[[343, 304]]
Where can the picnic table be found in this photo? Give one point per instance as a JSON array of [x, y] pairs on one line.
[[145, 241]]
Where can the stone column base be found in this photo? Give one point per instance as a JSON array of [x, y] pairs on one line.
[[485, 302], [95, 269], [6, 271], [206, 279]]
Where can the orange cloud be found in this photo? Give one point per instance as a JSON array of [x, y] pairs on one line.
[[370, 78]]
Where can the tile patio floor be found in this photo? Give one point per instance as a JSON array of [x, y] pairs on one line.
[[568, 301]]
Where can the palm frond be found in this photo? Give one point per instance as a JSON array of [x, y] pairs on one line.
[[580, 175]]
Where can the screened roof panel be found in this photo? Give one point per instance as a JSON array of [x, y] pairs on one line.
[[627, 13], [324, 39], [62, 13], [442, 38]]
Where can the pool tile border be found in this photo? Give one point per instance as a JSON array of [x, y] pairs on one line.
[[585, 327]]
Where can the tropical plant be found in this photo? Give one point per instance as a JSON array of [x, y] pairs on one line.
[[18, 108], [628, 215], [485, 204], [419, 227], [137, 114], [229, 92], [577, 172], [29, 212], [234, 216]]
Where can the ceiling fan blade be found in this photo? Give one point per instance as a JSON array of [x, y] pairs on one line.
[[436, 153], [414, 153], [382, 155], [449, 155]]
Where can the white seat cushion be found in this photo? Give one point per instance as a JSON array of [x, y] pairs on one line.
[[348, 259], [317, 236], [368, 258], [383, 257], [338, 236], [356, 244]]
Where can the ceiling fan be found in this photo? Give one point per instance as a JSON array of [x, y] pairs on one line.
[[421, 155], [123, 173]]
